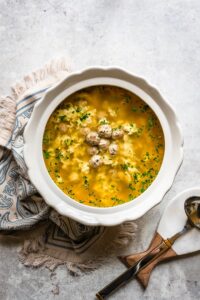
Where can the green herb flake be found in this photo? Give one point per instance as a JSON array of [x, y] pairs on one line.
[[135, 177], [71, 193], [156, 159], [84, 116], [85, 181], [127, 98], [103, 122], [130, 197], [134, 109], [58, 154], [62, 118], [46, 139], [78, 109], [47, 154], [68, 142], [124, 167], [158, 146], [93, 202], [115, 199], [131, 187], [144, 108], [150, 123]]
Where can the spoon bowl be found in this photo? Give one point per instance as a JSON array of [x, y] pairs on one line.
[[192, 210]]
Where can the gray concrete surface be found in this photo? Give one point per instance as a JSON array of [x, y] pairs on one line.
[[158, 40]]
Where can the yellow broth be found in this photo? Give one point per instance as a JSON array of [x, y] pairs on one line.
[[119, 178]]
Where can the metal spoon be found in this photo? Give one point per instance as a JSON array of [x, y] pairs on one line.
[[192, 210]]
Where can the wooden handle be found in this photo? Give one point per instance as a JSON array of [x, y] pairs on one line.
[[144, 275]]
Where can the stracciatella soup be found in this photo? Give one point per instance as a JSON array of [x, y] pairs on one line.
[[103, 146]]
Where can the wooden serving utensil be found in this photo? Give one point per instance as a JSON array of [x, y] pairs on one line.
[[160, 249], [192, 210], [140, 262], [144, 275]]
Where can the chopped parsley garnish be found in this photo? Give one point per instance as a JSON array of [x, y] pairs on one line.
[[85, 182], [135, 177], [68, 142], [91, 194], [127, 98], [134, 109], [119, 201], [124, 167], [156, 159], [71, 193], [84, 116], [150, 123], [46, 139], [58, 153], [144, 108], [62, 118], [131, 187], [78, 109], [103, 122], [94, 202], [139, 132], [47, 154], [158, 146]]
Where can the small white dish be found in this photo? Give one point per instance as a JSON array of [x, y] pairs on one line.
[[65, 205]]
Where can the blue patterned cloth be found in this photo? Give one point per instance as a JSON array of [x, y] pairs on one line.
[[20, 205], [58, 239]]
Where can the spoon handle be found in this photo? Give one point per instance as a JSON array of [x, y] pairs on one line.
[[132, 271], [141, 264], [144, 275]]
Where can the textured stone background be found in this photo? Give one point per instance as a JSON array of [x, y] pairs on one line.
[[158, 40]]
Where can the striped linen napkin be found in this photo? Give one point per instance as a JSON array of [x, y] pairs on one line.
[[56, 239]]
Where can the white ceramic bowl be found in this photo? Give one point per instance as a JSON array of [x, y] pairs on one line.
[[109, 216]]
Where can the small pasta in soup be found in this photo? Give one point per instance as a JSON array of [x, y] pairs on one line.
[[103, 146]]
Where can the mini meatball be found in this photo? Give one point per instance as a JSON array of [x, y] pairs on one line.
[[113, 148], [105, 131], [93, 150], [117, 134], [95, 161], [103, 144], [92, 138]]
